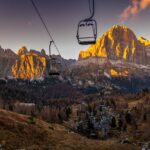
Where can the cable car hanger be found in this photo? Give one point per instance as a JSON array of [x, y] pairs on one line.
[[92, 10], [86, 23]]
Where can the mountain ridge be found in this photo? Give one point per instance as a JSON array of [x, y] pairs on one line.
[[118, 43], [118, 47], [28, 64]]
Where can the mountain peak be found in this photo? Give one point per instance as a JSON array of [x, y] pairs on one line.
[[119, 26], [22, 50], [30, 64], [118, 43], [43, 53]]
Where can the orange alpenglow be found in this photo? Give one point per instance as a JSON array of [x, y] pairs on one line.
[[94, 51], [29, 64], [114, 73], [118, 43], [144, 41]]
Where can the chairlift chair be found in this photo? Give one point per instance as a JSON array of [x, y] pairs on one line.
[[86, 24], [53, 62], [86, 40], [53, 70]]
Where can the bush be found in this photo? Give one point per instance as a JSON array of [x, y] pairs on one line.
[[31, 120]]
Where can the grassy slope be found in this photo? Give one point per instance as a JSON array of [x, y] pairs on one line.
[[17, 131]]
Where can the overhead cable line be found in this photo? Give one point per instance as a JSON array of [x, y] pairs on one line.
[[47, 30], [90, 7]]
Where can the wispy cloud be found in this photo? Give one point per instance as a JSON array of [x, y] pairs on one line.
[[134, 9]]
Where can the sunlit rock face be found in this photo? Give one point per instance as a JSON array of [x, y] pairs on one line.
[[115, 73], [30, 64], [144, 41], [118, 43], [7, 59], [23, 50]]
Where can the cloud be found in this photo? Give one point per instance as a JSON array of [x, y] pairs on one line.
[[144, 4], [134, 9]]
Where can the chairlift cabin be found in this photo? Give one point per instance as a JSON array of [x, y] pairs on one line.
[[87, 32], [87, 28], [53, 68], [54, 63]]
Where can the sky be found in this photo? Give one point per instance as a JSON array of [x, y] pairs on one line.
[[20, 25]]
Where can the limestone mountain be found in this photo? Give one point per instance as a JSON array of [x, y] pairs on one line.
[[33, 64], [7, 59], [118, 43], [30, 64]]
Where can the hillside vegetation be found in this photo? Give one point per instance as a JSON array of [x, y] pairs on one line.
[[24, 132]]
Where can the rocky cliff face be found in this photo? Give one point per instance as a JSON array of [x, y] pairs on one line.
[[7, 59], [34, 64], [144, 41], [118, 43], [30, 64]]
